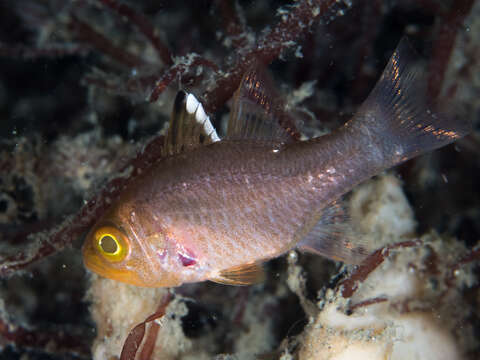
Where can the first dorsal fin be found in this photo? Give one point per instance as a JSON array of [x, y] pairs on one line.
[[257, 112], [189, 125], [246, 274]]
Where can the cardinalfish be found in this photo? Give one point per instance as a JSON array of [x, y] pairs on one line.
[[212, 209]]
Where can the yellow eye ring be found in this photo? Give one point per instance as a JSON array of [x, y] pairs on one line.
[[111, 243]]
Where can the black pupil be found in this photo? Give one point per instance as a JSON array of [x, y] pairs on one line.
[[108, 244]]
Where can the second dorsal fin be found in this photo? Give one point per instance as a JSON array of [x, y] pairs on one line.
[[189, 125], [257, 112]]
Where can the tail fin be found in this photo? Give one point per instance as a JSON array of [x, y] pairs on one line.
[[396, 114]]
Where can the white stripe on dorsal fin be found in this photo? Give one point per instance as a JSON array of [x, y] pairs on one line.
[[191, 104], [258, 112], [189, 127]]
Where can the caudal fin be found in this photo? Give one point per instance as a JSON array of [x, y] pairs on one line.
[[396, 113]]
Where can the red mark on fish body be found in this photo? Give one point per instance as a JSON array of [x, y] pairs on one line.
[[186, 256]]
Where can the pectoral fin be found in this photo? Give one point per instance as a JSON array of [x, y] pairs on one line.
[[241, 275]]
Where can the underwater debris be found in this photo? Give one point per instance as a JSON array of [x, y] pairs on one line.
[[398, 303], [401, 309]]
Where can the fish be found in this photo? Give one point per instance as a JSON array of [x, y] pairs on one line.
[[218, 209]]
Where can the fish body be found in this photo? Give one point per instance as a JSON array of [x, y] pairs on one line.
[[217, 210]]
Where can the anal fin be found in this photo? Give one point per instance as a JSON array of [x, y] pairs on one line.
[[332, 235], [246, 274]]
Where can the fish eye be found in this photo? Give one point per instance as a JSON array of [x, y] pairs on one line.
[[111, 243]]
